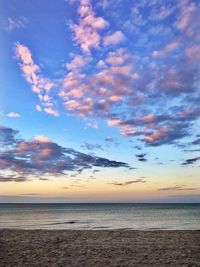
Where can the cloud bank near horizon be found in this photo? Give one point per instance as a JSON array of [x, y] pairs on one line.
[[21, 160]]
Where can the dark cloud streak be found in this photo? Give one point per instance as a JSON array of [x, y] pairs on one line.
[[129, 182], [190, 161], [141, 157], [177, 188]]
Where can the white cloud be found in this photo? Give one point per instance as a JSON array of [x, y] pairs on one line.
[[115, 38], [13, 115]]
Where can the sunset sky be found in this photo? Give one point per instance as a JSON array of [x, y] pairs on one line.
[[99, 101]]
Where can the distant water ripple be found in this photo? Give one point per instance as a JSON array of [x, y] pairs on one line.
[[101, 216]]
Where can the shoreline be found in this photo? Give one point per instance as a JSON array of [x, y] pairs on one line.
[[98, 229], [97, 248]]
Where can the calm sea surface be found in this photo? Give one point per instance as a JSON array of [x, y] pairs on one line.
[[101, 216]]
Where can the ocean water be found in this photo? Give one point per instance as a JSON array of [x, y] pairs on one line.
[[101, 216]]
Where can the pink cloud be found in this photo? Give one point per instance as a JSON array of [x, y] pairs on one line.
[[32, 145], [44, 154], [148, 118], [193, 53], [30, 74], [82, 107], [114, 38], [101, 64], [159, 134], [116, 77], [72, 85], [38, 108], [127, 131], [125, 128], [86, 37], [115, 98], [72, 104], [46, 85], [51, 111], [47, 98], [25, 146], [86, 33], [72, 79], [40, 85], [37, 90], [97, 23], [106, 87], [23, 53], [13, 115], [78, 62], [167, 49], [188, 20], [174, 80], [31, 71], [42, 139], [76, 93], [186, 16], [115, 85], [84, 10], [114, 122], [118, 57]]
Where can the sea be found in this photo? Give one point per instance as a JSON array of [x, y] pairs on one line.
[[100, 216]]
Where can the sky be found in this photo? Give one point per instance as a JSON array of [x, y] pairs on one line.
[[99, 101]]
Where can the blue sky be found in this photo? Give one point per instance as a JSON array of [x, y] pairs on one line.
[[99, 100]]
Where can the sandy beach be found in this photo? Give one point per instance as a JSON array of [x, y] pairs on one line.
[[99, 248]]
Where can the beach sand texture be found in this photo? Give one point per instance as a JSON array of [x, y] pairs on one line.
[[99, 248]]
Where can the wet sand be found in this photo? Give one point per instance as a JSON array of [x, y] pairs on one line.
[[99, 248]]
